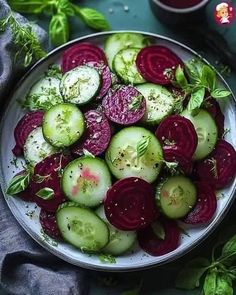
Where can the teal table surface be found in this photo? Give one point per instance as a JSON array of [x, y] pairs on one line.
[[140, 17]]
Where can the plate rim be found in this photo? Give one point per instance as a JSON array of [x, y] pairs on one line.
[[51, 249]]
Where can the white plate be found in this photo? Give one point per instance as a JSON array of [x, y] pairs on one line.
[[136, 259]]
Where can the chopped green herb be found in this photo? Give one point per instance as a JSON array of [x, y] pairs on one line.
[[142, 146], [107, 258], [45, 193]]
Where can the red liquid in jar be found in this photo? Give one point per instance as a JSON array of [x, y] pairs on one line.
[[181, 3]]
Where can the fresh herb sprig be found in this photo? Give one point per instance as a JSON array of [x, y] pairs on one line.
[[217, 274], [60, 11], [28, 45], [201, 80]]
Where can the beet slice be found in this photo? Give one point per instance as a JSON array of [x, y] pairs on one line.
[[97, 135], [124, 106], [47, 174], [177, 134], [214, 109], [219, 168], [28, 123], [205, 207], [185, 164], [130, 204], [155, 246], [157, 64], [81, 53], [49, 224]]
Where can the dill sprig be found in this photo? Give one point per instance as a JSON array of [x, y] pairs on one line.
[[28, 45]]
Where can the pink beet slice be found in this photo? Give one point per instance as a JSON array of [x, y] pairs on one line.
[[28, 123], [105, 73], [157, 64], [156, 246], [219, 168], [81, 53], [177, 134], [130, 204], [205, 207], [97, 135], [47, 174], [124, 106], [215, 110], [49, 224]]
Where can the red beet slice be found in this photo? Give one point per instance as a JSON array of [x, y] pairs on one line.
[[155, 246], [124, 106], [205, 207], [157, 64], [28, 123], [185, 164], [177, 134], [49, 224], [106, 77], [215, 110], [47, 174], [130, 204], [97, 135], [80, 54], [219, 168]]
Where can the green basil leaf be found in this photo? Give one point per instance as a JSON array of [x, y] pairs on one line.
[[65, 7], [208, 78], [196, 99], [31, 7], [228, 254], [142, 146], [159, 230], [189, 277], [45, 193], [180, 78], [107, 258], [93, 19], [88, 154], [59, 29], [209, 286], [193, 69], [220, 93], [223, 285], [18, 184]]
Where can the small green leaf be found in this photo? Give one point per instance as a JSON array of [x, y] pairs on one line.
[[196, 99], [93, 18], [18, 184], [45, 193], [54, 71], [224, 285], [142, 146], [65, 7], [189, 277], [193, 69], [31, 6], [180, 78], [208, 78], [229, 251], [135, 103], [88, 154], [107, 258], [220, 93], [59, 29], [209, 286], [158, 230]]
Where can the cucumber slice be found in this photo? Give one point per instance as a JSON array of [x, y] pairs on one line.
[[36, 148], [86, 181], [120, 241], [63, 125], [124, 64], [119, 41], [159, 102], [134, 151], [176, 196], [207, 132], [82, 228], [80, 84]]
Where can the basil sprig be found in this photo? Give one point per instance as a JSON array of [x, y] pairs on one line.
[[142, 146], [46, 193], [202, 79], [18, 183], [217, 275]]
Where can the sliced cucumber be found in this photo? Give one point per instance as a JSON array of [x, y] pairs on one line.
[[44, 94], [176, 196], [134, 151], [86, 181], [36, 148], [207, 132], [119, 241], [125, 67], [119, 41], [63, 125], [159, 102], [80, 84], [82, 228]]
